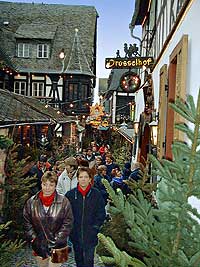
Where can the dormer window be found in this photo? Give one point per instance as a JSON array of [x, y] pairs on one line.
[[23, 50], [42, 51]]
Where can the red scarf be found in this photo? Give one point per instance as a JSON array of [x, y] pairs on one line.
[[47, 201], [82, 191]]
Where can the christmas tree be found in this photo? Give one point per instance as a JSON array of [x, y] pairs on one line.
[[166, 236], [7, 246], [17, 188]]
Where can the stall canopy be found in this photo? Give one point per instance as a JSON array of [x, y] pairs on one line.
[[21, 110]]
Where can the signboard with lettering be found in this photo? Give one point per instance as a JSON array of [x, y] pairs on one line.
[[125, 63]]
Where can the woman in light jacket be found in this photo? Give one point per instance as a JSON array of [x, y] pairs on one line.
[[47, 215]]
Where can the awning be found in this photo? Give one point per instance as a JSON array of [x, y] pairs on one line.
[[22, 110]]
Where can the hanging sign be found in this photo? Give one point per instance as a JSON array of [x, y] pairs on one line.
[[124, 63]]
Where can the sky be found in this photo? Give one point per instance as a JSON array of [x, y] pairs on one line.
[[112, 26]]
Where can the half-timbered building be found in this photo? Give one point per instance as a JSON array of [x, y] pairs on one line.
[[170, 36], [54, 50]]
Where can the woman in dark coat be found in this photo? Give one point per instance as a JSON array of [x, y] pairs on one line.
[[47, 215], [102, 169], [89, 214]]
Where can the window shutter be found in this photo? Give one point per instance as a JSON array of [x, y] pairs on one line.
[[181, 55], [177, 88], [162, 111]]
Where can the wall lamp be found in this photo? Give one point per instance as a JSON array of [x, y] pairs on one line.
[[62, 56], [154, 132], [136, 127]]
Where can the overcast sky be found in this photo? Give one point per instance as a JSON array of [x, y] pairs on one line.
[[112, 26]]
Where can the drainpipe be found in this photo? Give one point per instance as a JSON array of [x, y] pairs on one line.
[[131, 27]]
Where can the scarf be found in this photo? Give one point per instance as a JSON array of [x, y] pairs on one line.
[[46, 201], [84, 192]]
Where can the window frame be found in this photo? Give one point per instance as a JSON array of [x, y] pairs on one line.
[[44, 53], [38, 89], [20, 87], [24, 50]]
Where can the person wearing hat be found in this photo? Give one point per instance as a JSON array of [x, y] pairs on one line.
[[38, 170], [68, 178]]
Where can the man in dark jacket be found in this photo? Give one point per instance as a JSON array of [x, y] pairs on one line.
[[88, 209], [39, 169]]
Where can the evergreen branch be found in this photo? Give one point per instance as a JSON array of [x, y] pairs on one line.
[[194, 145], [157, 164], [120, 258], [182, 147], [117, 199], [185, 129], [181, 112], [5, 142], [190, 101], [183, 105], [195, 260]]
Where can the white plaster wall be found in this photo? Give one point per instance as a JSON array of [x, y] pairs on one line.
[[190, 25], [139, 102]]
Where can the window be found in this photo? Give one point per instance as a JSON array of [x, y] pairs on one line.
[[73, 91], [84, 91], [23, 50], [42, 51], [38, 89], [20, 88]]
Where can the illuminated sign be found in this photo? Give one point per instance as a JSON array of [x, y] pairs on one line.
[[124, 63]]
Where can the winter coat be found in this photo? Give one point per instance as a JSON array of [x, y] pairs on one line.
[[89, 214], [118, 182], [36, 170], [99, 185], [65, 184], [136, 174], [57, 223]]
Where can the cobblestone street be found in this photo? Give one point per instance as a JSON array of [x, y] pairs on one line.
[[29, 260]]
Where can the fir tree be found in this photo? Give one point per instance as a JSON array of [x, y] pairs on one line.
[[17, 190], [121, 154], [169, 235], [8, 247], [5, 142]]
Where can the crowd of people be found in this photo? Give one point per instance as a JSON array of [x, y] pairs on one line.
[[68, 203]]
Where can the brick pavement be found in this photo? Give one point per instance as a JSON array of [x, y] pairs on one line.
[[29, 261]]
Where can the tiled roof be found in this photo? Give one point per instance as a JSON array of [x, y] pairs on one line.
[[17, 109], [5, 60], [65, 19], [77, 58], [36, 31]]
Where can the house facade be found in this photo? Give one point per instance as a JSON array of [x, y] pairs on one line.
[[54, 50], [170, 36]]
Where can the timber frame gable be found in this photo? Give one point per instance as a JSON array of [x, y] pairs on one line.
[[35, 43], [159, 21]]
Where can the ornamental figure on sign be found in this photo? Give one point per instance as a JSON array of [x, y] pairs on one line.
[[130, 51]]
